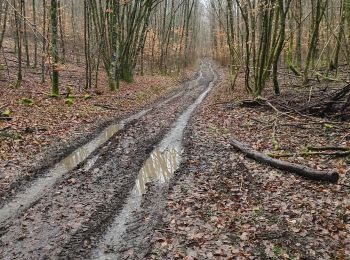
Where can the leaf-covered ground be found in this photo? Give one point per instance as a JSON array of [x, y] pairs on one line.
[[41, 123], [225, 206]]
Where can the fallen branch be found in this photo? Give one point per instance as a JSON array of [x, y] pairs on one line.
[[304, 171], [328, 148], [223, 103], [5, 118], [129, 98], [279, 112], [250, 103], [329, 78], [337, 154], [5, 128], [263, 102], [336, 98], [301, 126], [284, 155], [314, 119], [3, 106], [106, 107]]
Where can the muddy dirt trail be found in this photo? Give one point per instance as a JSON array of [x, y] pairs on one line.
[[90, 205]]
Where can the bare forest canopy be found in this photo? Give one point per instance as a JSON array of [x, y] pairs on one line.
[[262, 38]]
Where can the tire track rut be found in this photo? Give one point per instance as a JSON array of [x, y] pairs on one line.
[[71, 216]]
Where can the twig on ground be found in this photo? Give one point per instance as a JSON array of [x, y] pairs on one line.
[[222, 103], [106, 107], [129, 98], [328, 148], [345, 185], [337, 154], [314, 119], [171, 232], [310, 94], [259, 121], [273, 135], [344, 137], [5, 128], [3, 106], [301, 126], [5, 118]]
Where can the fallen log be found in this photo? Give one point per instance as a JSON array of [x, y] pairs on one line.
[[301, 170]]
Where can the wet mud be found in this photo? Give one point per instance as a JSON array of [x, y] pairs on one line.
[[132, 230], [76, 206]]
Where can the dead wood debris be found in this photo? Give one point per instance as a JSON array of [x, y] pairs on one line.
[[301, 170]]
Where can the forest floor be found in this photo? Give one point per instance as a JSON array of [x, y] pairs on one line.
[[225, 206], [218, 205]]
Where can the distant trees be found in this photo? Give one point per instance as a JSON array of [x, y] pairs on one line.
[[309, 38], [119, 31], [173, 33], [117, 36], [120, 37], [317, 16]]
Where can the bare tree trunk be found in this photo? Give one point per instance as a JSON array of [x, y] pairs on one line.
[[320, 11], [60, 20], [54, 47], [4, 23], [25, 34], [43, 43], [18, 41], [35, 35]]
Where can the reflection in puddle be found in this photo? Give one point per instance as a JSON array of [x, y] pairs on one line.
[[34, 192], [26, 198], [160, 166], [79, 155]]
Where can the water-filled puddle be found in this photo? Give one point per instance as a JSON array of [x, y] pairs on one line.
[[26, 198], [159, 167], [79, 155], [41, 185]]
